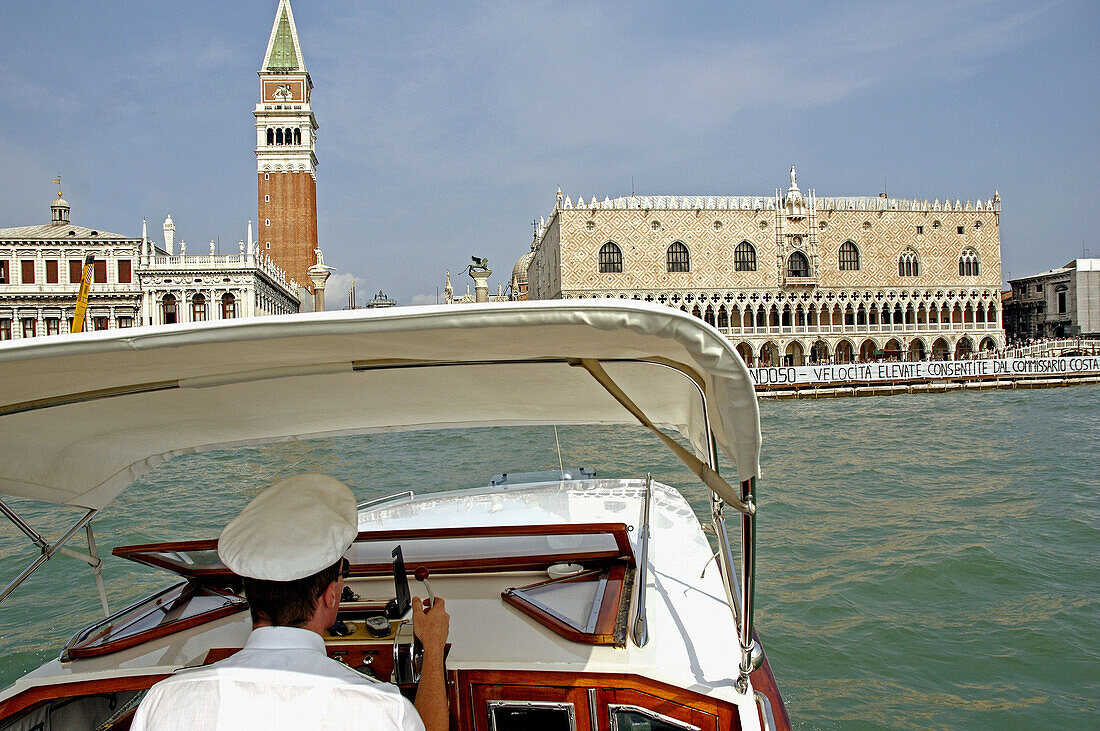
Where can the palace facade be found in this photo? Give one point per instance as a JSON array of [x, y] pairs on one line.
[[791, 278], [134, 281]]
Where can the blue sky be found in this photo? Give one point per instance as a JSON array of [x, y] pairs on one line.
[[445, 128]]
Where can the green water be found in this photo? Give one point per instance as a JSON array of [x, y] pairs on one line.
[[925, 560]]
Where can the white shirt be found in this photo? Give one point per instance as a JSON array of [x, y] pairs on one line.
[[281, 679]]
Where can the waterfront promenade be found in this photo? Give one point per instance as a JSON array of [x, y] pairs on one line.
[[888, 378]]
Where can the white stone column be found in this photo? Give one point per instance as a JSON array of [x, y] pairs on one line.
[[318, 274], [481, 284]]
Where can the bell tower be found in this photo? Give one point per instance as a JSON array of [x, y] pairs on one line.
[[286, 162]]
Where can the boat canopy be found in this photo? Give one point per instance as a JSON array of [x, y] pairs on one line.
[[83, 416]]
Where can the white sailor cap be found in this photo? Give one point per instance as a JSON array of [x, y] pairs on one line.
[[291, 530]]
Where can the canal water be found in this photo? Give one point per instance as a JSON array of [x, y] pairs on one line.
[[926, 561]]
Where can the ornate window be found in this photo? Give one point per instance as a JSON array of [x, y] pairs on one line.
[[798, 265], [849, 257], [744, 258], [968, 263], [678, 258], [270, 136], [908, 265], [198, 308], [611, 258], [229, 306], [171, 315]]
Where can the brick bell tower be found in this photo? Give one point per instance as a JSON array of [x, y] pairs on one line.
[[286, 162]]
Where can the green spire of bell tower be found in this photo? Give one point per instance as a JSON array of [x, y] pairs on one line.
[[283, 56]]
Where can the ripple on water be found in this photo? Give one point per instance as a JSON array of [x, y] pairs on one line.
[[925, 561]]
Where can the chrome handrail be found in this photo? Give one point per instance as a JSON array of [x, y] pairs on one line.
[[640, 632], [409, 494], [765, 707]]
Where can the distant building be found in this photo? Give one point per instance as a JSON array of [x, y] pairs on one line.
[[380, 300], [789, 278], [40, 272], [135, 282], [194, 287], [1063, 302]]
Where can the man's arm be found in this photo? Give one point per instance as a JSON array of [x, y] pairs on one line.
[[431, 627]]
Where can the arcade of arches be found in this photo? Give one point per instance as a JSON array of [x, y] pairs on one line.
[[801, 329]]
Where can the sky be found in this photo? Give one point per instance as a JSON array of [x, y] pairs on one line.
[[445, 128]]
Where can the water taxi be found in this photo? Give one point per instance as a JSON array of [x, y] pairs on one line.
[[577, 600]]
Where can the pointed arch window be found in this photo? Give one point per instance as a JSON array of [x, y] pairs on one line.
[[849, 257], [611, 258], [678, 258], [968, 263], [744, 258], [908, 265], [798, 265]]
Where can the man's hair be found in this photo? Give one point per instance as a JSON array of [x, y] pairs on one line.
[[288, 603]]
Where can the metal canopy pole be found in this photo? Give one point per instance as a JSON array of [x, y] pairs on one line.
[[49, 549]]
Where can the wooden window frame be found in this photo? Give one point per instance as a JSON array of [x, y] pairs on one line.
[[27, 271], [528, 562], [611, 620], [85, 644], [52, 271]]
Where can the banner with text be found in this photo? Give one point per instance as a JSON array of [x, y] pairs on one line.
[[923, 370]]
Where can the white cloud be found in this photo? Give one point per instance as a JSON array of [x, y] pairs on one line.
[[423, 299], [337, 287]]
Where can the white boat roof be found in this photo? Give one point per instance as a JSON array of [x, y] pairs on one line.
[[83, 416]]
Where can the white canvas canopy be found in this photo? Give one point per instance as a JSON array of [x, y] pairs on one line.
[[83, 416]]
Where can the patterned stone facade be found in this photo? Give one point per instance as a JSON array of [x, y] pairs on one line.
[[917, 278]]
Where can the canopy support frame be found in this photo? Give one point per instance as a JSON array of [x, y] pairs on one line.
[[741, 607], [48, 549]]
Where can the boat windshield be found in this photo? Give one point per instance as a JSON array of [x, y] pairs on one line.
[[441, 550]]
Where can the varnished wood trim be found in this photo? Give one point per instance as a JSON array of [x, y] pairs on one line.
[[142, 553], [606, 621], [764, 681], [42, 693], [162, 630], [725, 712]]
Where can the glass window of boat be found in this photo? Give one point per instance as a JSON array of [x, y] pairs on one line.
[[531, 716], [180, 605], [635, 718], [452, 549]]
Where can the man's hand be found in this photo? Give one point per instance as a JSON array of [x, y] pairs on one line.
[[431, 628]]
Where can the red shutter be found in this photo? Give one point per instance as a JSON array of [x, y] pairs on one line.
[[76, 271], [124, 273], [51, 271], [99, 268], [27, 273]]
